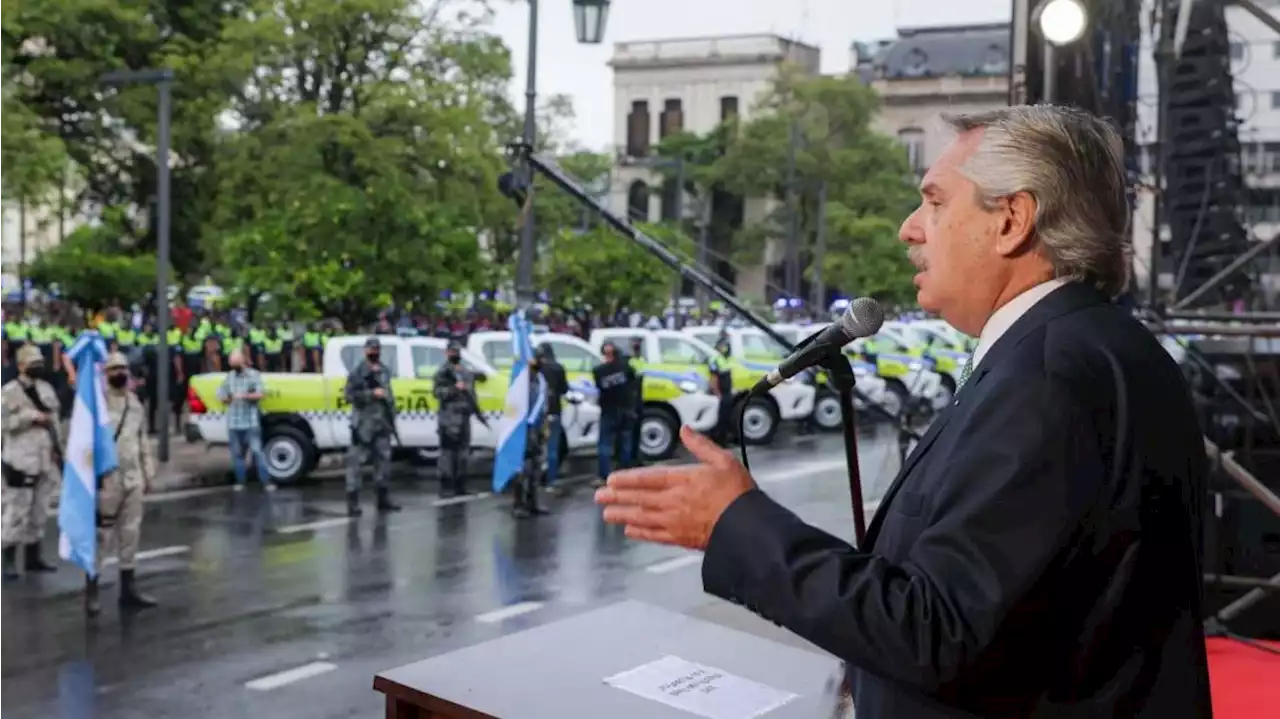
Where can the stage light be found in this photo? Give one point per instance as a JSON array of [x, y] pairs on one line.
[[1062, 22]]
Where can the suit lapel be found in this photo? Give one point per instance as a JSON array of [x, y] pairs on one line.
[[1066, 299]]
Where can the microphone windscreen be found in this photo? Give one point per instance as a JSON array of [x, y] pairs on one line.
[[863, 318]]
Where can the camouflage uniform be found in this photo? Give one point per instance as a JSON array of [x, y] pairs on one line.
[[120, 494], [33, 458], [120, 499], [372, 426]]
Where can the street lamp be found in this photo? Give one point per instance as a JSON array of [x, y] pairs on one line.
[[590, 17], [1061, 23], [162, 78]]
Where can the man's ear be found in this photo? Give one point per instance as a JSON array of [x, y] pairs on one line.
[[1017, 224]]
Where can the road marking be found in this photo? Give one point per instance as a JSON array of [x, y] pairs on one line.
[[289, 676], [671, 565], [154, 553], [505, 613], [321, 524], [185, 494], [460, 500], [800, 471]]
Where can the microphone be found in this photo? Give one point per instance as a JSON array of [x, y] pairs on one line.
[[863, 319]]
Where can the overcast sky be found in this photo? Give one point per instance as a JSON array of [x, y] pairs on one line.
[[565, 67]]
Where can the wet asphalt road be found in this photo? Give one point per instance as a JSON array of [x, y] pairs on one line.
[[277, 605]]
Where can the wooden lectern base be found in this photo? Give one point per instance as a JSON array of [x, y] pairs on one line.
[[558, 670]]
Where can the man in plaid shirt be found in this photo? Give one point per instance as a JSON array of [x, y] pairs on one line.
[[241, 391]]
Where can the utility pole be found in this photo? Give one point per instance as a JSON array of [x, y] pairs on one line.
[[678, 202], [791, 267], [820, 252]]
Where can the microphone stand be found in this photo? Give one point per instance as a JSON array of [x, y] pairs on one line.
[[840, 372]]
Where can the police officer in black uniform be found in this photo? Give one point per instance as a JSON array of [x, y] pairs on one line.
[[636, 360], [722, 387], [616, 381]]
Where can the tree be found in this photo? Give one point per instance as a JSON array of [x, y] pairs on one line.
[[364, 169], [869, 184], [93, 267], [34, 159], [56, 52], [599, 272]]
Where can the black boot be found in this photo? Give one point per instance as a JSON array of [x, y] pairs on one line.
[[92, 606], [36, 563], [130, 597], [10, 563], [532, 501], [384, 501], [353, 504], [520, 508]]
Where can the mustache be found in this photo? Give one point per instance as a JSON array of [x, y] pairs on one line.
[[915, 255]]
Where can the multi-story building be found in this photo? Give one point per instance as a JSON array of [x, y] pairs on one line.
[[29, 230], [693, 84], [928, 71]]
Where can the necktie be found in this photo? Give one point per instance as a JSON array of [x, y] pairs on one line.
[[965, 372]]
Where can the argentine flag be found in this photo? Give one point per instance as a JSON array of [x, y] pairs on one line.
[[91, 453], [518, 415]]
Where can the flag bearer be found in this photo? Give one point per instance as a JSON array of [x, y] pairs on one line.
[[120, 496], [32, 461]]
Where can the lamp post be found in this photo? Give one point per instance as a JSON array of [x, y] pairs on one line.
[[590, 17], [1061, 23], [163, 80]]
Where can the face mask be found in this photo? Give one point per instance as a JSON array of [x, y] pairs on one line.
[[34, 372], [239, 369], [118, 380], [454, 359], [373, 356]]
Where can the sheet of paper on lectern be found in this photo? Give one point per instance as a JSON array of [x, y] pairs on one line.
[[700, 689]]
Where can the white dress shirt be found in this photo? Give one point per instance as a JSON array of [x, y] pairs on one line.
[[1011, 312]]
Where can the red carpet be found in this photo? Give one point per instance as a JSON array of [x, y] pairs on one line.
[[1245, 681]]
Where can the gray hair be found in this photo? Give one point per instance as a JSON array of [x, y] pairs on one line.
[[1072, 163]]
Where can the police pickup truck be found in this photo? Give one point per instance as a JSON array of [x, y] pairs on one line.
[[306, 415]]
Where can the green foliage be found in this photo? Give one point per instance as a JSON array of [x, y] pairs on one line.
[[56, 52], [869, 260], [869, 185], [88, 267], [368, 177], [599, 270], [35, 160]]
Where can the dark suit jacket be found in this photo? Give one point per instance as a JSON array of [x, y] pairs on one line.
[[1007, 573]]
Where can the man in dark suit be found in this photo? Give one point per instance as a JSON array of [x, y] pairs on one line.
[[1038, 553]]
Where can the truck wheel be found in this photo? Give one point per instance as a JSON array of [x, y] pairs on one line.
[[760, 422], [289, 454], [659, 430], [826, 411]]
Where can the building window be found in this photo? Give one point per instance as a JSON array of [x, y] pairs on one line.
[[638, 129], [672, 119], [728, 107], [1275, 100], [1275, 49], [1237, 51], [638, 202], [912, 140]]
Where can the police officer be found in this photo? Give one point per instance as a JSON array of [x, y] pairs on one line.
[[32, 461], [636, 360], [616, 382], [557, 387], [120, 496], [722, 387], [526, 485], [373, 411], [454, 388]]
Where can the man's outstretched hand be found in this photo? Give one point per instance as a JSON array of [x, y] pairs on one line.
[[676, 504]]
